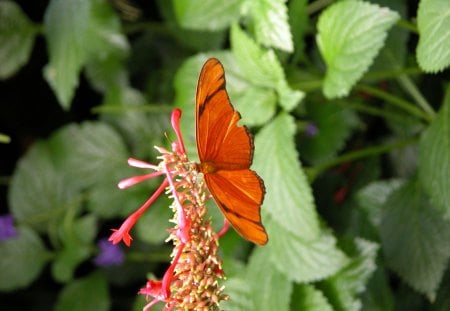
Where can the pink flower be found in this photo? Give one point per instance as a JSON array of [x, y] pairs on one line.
[[192, 280]]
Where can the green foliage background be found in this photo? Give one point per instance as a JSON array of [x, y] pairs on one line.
[[358, 214]]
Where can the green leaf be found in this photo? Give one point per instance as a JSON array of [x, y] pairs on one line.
[[39, 194], [289, 199], [87, 294], [334, 124], [372, 198], [22, 259], [303, 260], [240, 298], [434, 158], [350, 34], [433, 22], [262, 68], [86, 152], [77, 238], [309, 298], [16, 38], [209, 15], [66, 24], [77, 32], [344, 287], [270, 290], [415, 239], [271, 25]]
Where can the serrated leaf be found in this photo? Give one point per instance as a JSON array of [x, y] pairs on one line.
[[271, 25], [38, 193], [309, 298], [288, 198], [372, 198], [303, 260], [16, 38], [22, 259], [270, 289], [415, 239], [262, 68], [85, 152], [434, 158], [256, 105], [208, 15], [87, 294], [334, 126], [433, 22], [78, 31], [350, 34], [344, 287]]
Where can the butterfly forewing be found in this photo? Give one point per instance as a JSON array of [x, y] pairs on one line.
[[225, 150], [219, 138]]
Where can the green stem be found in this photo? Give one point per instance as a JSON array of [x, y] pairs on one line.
[[412, 89], [394, 100], [317, 6], [313, 172], [132, 108]]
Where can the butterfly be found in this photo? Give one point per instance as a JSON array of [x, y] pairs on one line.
[[225, 150]]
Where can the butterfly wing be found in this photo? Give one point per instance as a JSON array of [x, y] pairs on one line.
[[219, 138], [239, 194], [225, 151]]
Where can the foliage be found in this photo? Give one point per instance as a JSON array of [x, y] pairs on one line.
[[357, 211]]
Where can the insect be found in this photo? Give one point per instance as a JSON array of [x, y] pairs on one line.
[[225, 150]]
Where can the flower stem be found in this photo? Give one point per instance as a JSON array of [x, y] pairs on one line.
[[313, 172]]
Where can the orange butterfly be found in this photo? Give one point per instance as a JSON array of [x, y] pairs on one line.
[[225, 150]]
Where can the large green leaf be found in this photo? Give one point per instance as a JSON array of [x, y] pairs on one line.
[[77, 32], [288, 198], [344, 287], [85, 153], [372, 198], [22, 259], [207, 14], [87, 294], [415, 238], [433, 21], [434, 158], [350, 34], [262, 68], [270, 289], [39, 195], [303, 260], [16, 38], [271, 25]]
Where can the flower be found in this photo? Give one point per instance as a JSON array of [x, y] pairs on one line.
[[7, 229], [192, 281], [109, 255], [311, 129]]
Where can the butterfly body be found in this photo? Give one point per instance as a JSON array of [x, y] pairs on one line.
[[225, 150]]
